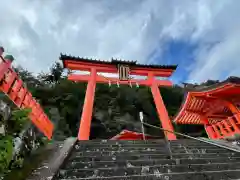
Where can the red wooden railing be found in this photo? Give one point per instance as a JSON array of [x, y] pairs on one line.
[[13, 87], [225, 128]]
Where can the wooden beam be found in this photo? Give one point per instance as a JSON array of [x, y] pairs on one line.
[[102, 79], [218, 116], [107, 68]]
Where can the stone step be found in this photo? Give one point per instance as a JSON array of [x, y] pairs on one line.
[[135, 156], [140, 146], [137, 141], [140, 142], [149, 150], [143, 146], [119, 145], [207, 175], [123, 141], [144, 170], [200, 150], [123, 152], [189, 159], [80, 149], [154, 141], [130, 163]]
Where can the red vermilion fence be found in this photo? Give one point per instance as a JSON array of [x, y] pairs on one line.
[[13, 87], [224, 128]]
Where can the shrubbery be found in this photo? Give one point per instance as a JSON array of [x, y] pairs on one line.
[[13, 126]]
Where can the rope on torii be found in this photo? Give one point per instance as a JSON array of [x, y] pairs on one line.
[[117, 82]]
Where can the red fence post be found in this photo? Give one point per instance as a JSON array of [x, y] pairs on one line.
[[234, 125], [210, 131], [223, 131], [217, 133]]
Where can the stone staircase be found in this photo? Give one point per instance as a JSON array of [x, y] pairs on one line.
[[153, 159]]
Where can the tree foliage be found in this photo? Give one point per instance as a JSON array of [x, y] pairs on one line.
[[6, 151], [13, 127]]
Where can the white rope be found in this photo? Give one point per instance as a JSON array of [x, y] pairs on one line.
[[198, 139]]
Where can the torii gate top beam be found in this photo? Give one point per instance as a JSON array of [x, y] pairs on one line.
[[84, 64]]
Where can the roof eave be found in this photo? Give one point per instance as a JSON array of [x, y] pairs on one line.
[[73, 58]]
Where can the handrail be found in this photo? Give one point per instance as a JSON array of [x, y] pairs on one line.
[[12, 86], [177, 133], [190, 137]]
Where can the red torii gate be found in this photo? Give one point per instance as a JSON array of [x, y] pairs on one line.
[[216, 107], [124, 69], [14, 88]]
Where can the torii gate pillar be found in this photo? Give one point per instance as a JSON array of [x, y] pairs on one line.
[[162, 113], [161, 109], [85, 124]]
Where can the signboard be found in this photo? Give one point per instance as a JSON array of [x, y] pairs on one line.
[[123, 72]]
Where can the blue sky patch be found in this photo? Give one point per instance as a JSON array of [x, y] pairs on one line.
[[178, 52]]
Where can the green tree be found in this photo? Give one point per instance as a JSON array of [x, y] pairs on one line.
[[14, 125]]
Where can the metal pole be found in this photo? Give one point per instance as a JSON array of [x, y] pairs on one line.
[[141, 119]]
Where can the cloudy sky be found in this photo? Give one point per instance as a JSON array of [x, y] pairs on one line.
[[201, 36]]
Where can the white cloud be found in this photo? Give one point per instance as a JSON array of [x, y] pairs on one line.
[[215, 28], [35, 32], [220, 62]]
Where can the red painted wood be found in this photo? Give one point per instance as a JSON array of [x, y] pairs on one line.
[[210, 131], [8, 81], [27, 99], [20, 97], [4, 67], [227, 127], [107, 68], [85, 124], [217, 107], [13, 87], [162, 113], [217, 132], [223, 131], [234, 125], [101, 79]]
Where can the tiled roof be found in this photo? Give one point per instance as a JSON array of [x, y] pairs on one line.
[[115, 61], [231, 79]]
